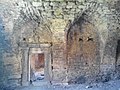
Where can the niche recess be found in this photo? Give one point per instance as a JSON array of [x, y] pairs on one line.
[[82, 49]]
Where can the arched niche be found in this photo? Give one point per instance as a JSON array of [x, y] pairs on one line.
[[30, 31], [83, 57]]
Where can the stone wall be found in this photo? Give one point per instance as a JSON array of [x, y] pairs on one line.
[[48, 21]]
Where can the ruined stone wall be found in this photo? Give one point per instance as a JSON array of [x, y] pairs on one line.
[[48, 21]]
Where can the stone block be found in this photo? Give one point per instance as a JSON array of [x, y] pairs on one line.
[[13, 69], [107, 68], [58, 46], [15, 76], [58, 53], [63, 4], [58, 24], [57, 0], [59, 36], [59, 75], [69, 6], [14, 82], [59, 63], [46, 0], [37, 4], [58, 12], [79, 80], [11, 60], [71, 3], [46, 4], [108, 60]]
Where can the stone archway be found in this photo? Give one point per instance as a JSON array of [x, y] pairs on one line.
[[82, 51]]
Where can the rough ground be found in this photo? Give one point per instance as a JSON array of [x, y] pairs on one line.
[[111, 85]]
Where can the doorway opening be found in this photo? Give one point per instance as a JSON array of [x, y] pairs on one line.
[[117, 62], [37, 64], [118, 54]]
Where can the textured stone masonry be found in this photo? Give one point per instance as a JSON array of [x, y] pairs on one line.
[[49, 22]]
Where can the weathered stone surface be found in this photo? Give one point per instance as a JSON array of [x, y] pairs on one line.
[[77, 54]]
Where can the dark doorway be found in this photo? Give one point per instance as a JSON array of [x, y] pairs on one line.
[[37, 67], [118, 53]]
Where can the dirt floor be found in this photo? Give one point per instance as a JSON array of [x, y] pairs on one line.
[[111, 85]]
